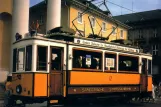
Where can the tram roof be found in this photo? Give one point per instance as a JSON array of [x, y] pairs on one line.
[[66, 38]]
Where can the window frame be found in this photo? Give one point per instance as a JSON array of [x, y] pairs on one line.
[[104, 30], [123, 54], [113, 31], [79, 17], [155, 32], [155, 49], [121, 33], [46, 58], [116, 61], [88, 50], [93, 26]]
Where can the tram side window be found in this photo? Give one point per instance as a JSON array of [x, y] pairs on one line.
[[87, 59], [128, 63], [28, 58], [144, 66], [42, 58], [21, 59], [149, 67], [110, 61]]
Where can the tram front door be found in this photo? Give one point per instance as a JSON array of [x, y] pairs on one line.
[[56, 72], [144, 75]]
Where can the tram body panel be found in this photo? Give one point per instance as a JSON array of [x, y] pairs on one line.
[[40, 85], [100, 78], [22, 84], [150, 84]]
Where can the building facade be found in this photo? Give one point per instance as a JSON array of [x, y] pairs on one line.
[[72, 18], [146, 33], [5, 33]]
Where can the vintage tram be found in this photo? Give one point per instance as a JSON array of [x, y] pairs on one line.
[[62, 67]]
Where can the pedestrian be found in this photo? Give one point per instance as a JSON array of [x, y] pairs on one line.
[[153, 92]]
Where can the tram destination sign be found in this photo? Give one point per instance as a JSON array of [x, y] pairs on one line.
[[104, 45]]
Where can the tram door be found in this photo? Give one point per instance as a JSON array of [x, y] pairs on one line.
[[56, 72], [144, 74]]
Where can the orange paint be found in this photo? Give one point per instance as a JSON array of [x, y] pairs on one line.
[[149, 83], [26, 82], [40, 85], [97, 78]]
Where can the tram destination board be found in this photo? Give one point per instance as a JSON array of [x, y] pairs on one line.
[[105, 45]]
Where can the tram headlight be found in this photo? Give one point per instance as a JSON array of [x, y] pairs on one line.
[[19, 89]]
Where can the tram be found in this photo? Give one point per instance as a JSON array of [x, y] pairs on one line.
[[62, 67]]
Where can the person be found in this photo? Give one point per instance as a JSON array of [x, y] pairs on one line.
[[153, 92]]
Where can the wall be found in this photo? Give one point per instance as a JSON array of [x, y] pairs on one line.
[[6, 6], [5, 41], [97, 28]]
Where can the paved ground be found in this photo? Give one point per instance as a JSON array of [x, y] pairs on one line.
[[103, 104], [100, 104]]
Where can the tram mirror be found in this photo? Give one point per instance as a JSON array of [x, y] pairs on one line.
[[70, 56], [140, 64], [3, 76]]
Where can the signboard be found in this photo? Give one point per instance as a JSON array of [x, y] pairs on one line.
[[104, 45], [110, 62], [88, 60]]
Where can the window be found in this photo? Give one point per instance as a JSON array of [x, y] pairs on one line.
[[103, 26], [21, 59], [28, 58], [93, 21], [155, 32], [80, 19], [121, 34], [140, 34], [149, 67], [155, 49], [41, 19], [56, 60], [144, 66], [110, 61], [14, 60], [128, 63], [42, 58], [87, 59], [113, 30]]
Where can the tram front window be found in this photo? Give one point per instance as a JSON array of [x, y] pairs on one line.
[[28, 58], [87, 59], [128, 63], [21, 57], [42, 58]]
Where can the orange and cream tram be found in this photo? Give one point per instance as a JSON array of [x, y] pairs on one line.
[[47, 69]]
